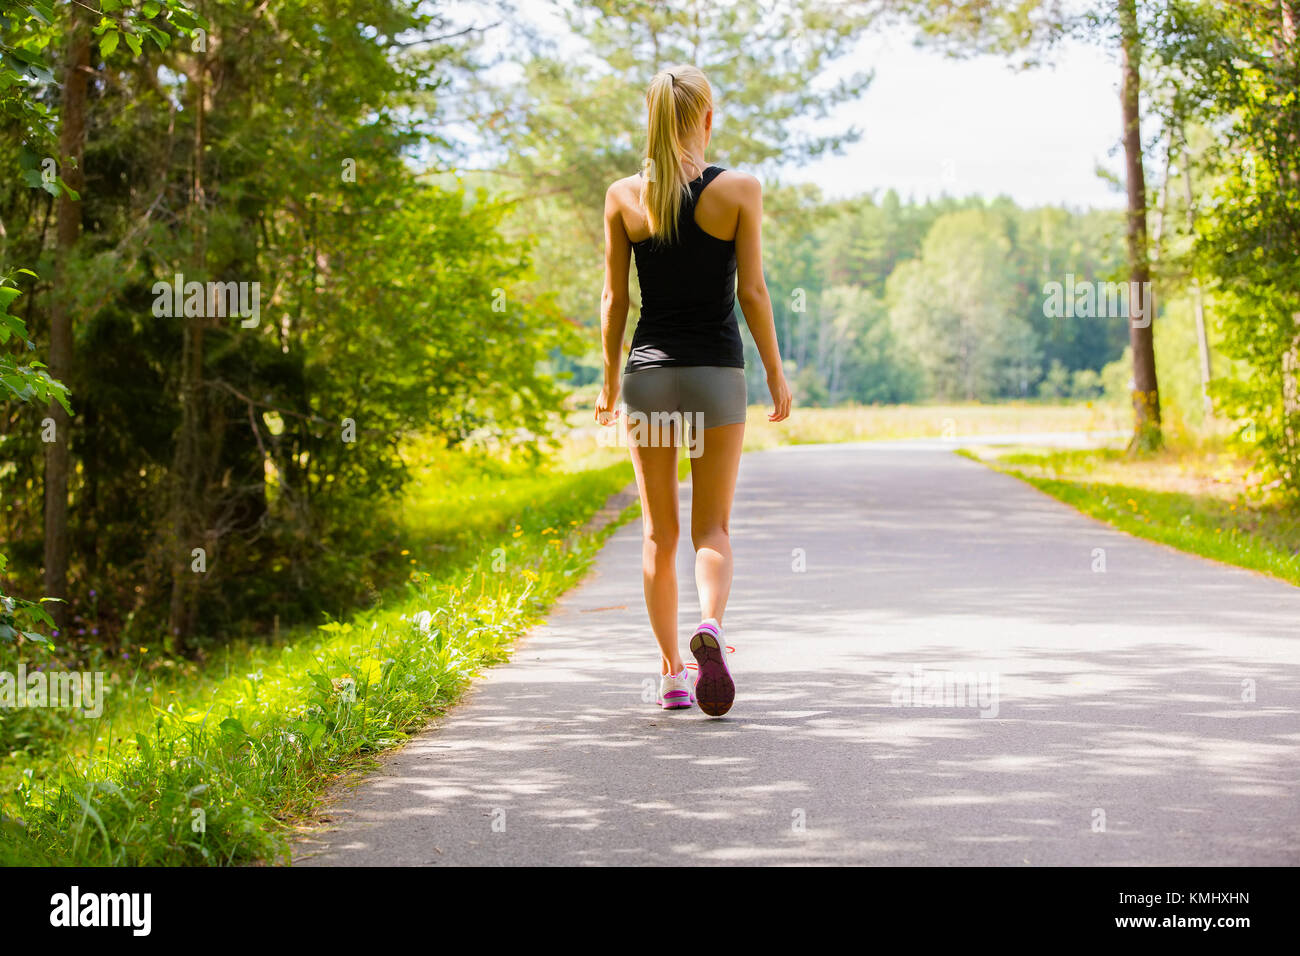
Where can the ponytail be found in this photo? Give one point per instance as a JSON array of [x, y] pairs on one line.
[[676, 101]]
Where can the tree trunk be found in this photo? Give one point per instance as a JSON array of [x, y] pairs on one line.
[[189, 487], [1284, 46], [1198, 301], [72, 148], [1146, 392]]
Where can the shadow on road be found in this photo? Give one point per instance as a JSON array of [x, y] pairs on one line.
[[1146, 714]]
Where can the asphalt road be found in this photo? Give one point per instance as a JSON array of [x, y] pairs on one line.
[[951, 678]]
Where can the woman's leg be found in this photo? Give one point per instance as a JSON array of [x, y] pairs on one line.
[[713, 486], [655, 464]]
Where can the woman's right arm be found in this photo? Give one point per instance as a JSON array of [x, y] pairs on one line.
[[613, 306], [751, 290]]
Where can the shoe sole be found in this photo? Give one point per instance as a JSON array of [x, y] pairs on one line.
[[715, 691], [677, 703]]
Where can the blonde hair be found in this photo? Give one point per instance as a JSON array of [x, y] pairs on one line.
[[677, 100]]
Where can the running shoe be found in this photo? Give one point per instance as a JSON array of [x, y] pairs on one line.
[[675, 691], [714, 688]]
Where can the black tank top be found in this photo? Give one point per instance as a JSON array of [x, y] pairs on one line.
[[688, 295]]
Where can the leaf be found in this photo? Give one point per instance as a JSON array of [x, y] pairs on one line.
[[233, 727], [90, 812], [313, 732], [41, 11], [108, 42], [323, 682], [39, 614]]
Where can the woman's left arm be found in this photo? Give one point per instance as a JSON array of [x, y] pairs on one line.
[[613, 305]]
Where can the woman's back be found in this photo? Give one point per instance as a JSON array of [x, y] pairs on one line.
[[688, 289]]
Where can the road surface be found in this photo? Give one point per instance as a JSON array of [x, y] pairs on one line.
[[936, 664]]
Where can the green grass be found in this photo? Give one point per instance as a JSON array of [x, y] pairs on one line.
[[215, 764], [899, 422], [1173, 497]]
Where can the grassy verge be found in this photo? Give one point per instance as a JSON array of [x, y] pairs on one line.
[[1191, 498], [213, 764], [583, 441], [894, 422]]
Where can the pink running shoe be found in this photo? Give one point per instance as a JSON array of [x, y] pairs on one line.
[[714, 688], [675, 691]]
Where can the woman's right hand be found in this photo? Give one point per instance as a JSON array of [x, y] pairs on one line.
[[607, 406], [781, 397]]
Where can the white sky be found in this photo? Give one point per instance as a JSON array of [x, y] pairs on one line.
[[933, 125]]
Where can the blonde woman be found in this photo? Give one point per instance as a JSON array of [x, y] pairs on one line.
[[695, 230]]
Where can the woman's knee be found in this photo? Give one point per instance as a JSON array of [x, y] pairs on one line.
[[660, 538], [710, 534]]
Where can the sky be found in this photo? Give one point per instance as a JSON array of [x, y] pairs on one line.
[[933, 125]]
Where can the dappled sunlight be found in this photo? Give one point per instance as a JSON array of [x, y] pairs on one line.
[[1118, 693]]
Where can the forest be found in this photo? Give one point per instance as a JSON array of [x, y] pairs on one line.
[[268, 267]]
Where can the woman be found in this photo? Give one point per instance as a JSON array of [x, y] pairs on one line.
[[696, 232]]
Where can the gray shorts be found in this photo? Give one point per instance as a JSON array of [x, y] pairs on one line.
[[707, 396]]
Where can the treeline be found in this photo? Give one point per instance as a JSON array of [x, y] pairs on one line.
[[882, 301]]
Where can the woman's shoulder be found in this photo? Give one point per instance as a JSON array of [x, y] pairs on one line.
[[736, 189], [629, 187], [738, 182]]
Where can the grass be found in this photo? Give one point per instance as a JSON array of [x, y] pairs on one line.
[[215, 764], [582, 443], [894, 422], [1191, 496]]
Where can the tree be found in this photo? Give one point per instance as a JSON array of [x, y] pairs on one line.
[[954, 309], [29, 26], [1030, 28], [1146, 391], [1241, 73], [22, 60], [72, 145]]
